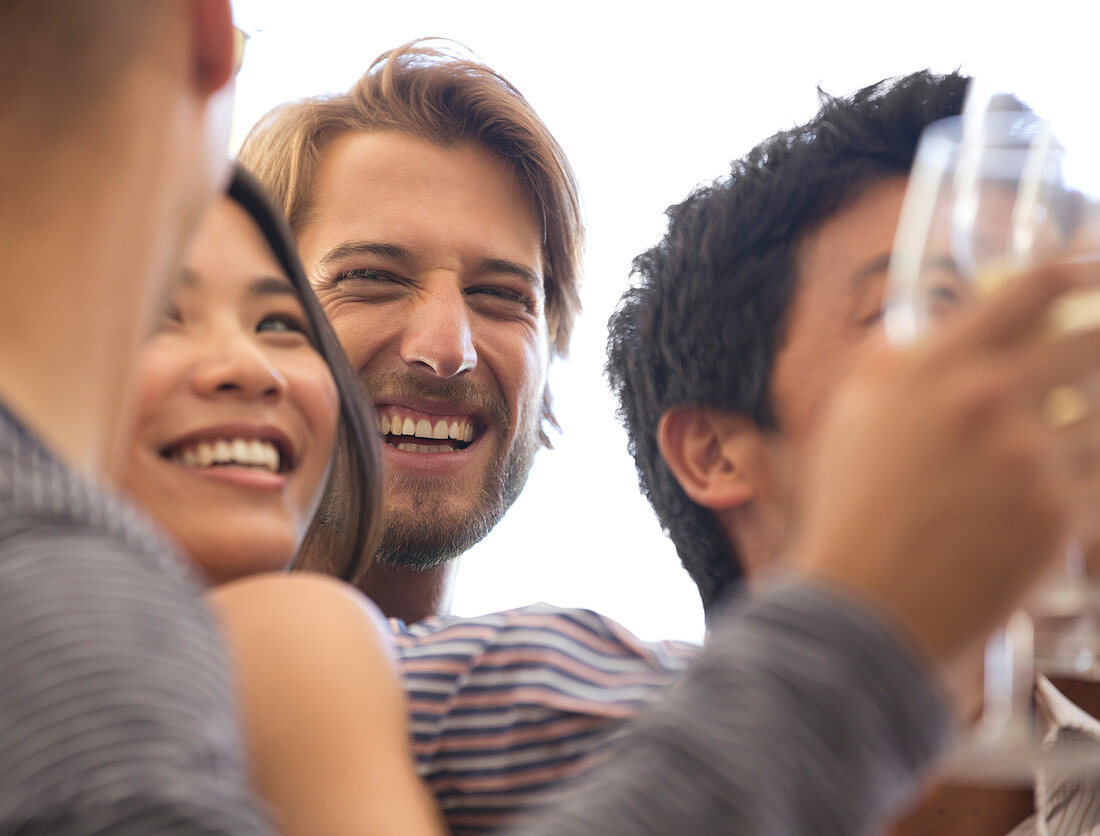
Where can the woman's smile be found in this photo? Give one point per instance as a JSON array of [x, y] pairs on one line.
[[234, 411]]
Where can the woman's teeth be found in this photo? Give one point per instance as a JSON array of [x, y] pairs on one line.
[[454, 434], [239, 451]]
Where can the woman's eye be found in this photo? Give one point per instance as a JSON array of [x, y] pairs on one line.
[[171, 317], [874, 317], [282, 324]]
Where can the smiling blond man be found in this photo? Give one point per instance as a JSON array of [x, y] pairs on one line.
[[439, 223]]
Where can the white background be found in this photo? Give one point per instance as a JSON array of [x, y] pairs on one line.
[[648, 100]]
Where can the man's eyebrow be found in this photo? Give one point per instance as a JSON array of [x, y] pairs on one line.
[[271, 286], [875, 267], [353, 248], [399, 253], [881, 264], [512, 268], [941, 262]]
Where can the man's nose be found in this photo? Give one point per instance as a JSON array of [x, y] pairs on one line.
[[235, 365], [437, 336]]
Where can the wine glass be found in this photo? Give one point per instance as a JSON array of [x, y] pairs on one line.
[[991, 193]]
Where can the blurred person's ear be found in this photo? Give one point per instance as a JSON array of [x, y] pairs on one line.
[[212, 52], [713, 455], [214, 65]]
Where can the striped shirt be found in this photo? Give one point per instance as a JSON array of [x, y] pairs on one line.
[[116, 710], [508, 708], [806, 713]]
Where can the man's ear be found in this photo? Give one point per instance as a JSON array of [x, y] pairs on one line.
[[211, 44], [712, 454]]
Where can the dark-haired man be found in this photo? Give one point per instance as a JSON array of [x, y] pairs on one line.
[[117, 713], [746, 318], [818, 702]]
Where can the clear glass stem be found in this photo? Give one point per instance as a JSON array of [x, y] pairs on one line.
[[1009, 680]]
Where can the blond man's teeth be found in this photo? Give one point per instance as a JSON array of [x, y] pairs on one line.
[[441, 430], [424, 448], [246, 452]]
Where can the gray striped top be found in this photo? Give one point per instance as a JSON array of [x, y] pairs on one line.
[[805, 714], [116, 710]]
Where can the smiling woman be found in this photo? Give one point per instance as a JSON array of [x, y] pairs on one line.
[[236, 411], [238, 400], [244, 235]]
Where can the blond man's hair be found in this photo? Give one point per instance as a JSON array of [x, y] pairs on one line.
[[438, 95]]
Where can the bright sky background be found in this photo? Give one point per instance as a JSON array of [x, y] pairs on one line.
[[648, 100]]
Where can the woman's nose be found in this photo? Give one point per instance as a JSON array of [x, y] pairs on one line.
[[237, 366]]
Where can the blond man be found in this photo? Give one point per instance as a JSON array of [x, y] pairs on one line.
[[439, 223]]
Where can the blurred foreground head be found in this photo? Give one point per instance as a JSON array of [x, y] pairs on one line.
[[113, 135]]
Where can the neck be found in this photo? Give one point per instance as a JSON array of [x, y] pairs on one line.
[[76, 257], [759, 537], [410, 594]]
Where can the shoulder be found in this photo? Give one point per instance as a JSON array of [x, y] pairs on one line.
[[309, 653], [281, 615], [106, 647], [326, 597], [92, 593], [323, 709]]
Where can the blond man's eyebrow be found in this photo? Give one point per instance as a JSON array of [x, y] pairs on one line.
[[512, 268], [354, 248]]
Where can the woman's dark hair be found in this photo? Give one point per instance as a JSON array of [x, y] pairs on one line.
[[345, 529]]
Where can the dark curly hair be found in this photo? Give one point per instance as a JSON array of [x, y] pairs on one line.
[[705, 317]]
